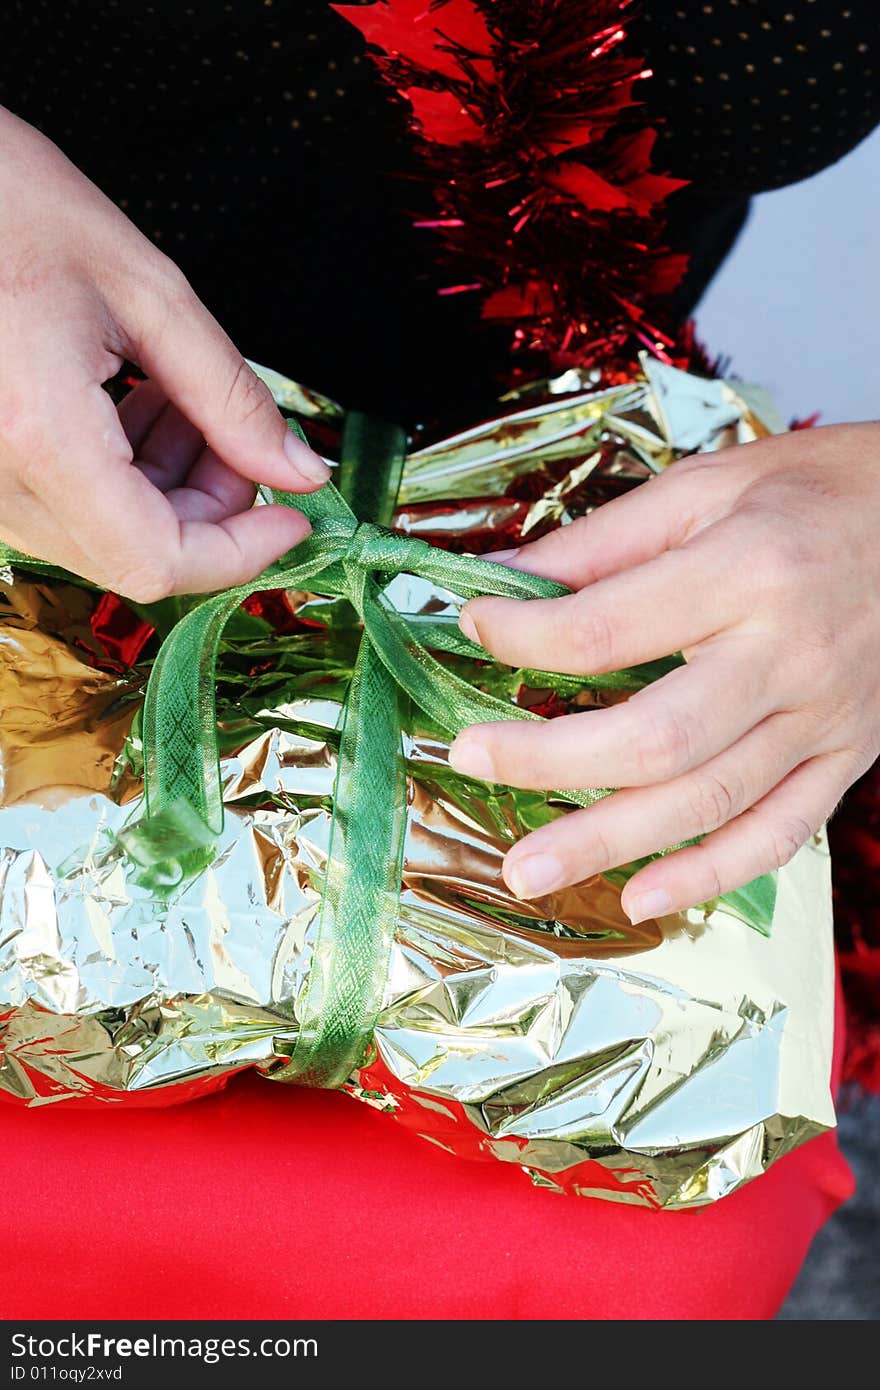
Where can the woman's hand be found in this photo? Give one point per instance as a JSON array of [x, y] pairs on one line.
[[155, 498], [762, 565]]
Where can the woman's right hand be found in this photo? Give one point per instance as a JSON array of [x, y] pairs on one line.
[[156, 497]]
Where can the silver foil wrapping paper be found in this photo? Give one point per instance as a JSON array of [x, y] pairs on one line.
[[663, 1064]]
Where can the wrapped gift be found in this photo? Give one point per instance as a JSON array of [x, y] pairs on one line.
[[249, 850]]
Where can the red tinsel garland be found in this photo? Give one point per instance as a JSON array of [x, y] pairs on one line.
[[526, 120]]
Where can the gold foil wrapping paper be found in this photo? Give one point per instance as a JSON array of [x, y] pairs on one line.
[[663, 1064]]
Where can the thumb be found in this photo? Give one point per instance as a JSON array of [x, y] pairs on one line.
[[179, 344]]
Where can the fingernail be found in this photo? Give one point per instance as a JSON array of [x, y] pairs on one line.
[[502, 557], [536, 875], [304, 460], [467, 755], [468, 626], [655, 903]]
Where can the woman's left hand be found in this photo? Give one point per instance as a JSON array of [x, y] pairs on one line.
[[761, 564]]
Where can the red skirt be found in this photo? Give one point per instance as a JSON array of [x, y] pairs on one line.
[[266, 1201]]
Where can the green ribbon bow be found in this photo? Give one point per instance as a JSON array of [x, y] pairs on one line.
[[353, 559]]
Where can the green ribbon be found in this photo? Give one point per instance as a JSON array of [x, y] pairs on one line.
[[184, 802], [371, 465], [353, 559]]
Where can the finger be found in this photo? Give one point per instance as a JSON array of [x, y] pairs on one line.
[[139, 410], [171, 555], [763, 838], [675, 724], [171, 453], [662, 606], [211, 491], [640, 821], [169, 449], [659, 515], [164, 443], [179, 343], [236, 549], [127, 531]]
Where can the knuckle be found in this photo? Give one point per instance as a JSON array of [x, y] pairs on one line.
[[593, 640], [710, 879], [573, 543], [712, 802], [162, 275], [247, 396], [157, 295], [601, 852], [672, 743], [526, 763], [665, 748], [787, 837], [778, 560]]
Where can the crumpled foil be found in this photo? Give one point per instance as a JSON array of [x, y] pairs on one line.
[[663, 1064]]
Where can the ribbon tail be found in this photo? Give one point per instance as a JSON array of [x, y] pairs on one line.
[[362, 884]]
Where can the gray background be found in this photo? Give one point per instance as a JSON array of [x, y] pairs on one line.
[[797, 308], [797, 304]]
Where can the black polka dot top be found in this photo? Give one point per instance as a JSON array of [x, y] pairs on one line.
[[755, 94], [255, 143], [750, 95]]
